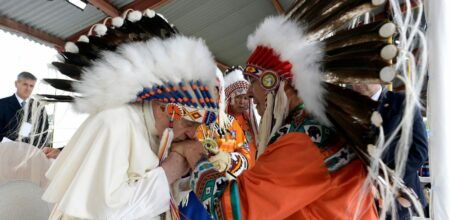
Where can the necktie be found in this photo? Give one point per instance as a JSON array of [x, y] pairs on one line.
[[23, 104]]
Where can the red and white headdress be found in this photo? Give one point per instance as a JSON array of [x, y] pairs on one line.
[[286, 54], [235, 83], [314, 48]]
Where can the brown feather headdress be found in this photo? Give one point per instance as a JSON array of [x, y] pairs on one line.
[[313, 49]]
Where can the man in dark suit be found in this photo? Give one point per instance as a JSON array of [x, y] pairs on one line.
[[12, 111], [391, 106]]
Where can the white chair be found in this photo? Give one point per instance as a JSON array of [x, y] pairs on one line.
[[21, 200], [21, 161]]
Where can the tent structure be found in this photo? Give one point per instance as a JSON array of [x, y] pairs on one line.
[[224, 25]]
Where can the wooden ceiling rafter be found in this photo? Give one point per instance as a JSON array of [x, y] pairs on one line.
[[102, 5], [57, 42], [106, 7], [144, 4], [30, 31], [278, 7], [222, 66]]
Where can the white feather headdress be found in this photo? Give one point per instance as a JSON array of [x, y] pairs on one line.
[[139, 57], [119, 76]]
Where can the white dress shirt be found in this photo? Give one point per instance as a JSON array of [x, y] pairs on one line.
[[377, 95], [20, 100]]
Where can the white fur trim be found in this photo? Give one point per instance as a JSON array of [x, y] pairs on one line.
[[387, 30], [388, 52], [71, 47], [149, 13], [100, 29], [387, 74], [288, 40], [134, 16], [378, 2], [376, 119], [117, 21], [233, 77], [117, 77], [83, 38]]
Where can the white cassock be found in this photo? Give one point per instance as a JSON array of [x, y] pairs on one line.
[[109, 170]]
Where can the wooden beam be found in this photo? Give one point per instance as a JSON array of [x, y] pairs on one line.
[[30, 31], [138, 5], [222, 66], [106, 7], [278, 7], [144, 4]]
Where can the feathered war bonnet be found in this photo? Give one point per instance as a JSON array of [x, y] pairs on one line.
[[235, 83], [140, 57], [312, 50], [306, 51]]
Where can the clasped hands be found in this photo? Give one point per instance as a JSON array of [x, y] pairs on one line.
[[184, 155], [194, 150], [191, 150]]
